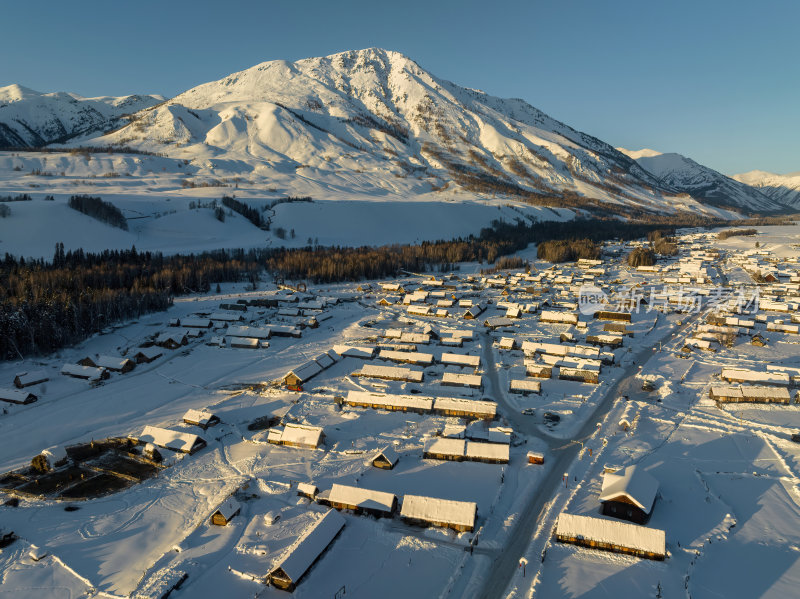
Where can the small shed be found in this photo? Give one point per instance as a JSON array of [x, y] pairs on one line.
[[225, 513], [386, 458], [307, 490], [535, 457], [27, 379]]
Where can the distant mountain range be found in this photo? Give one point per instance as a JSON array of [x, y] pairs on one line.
[[375, 121], [784, 189], [32, 119], [701, 182]]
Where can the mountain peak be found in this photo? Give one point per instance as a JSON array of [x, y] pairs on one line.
[[636, 154]]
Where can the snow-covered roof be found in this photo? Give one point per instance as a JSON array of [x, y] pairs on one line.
[[150, 352], [461, 359], [32, 377], [226, 316], [388, 453], [307, 489], [111, 362], [432, 509], [84, 372], [754, 376], [632, 483], [554, 316], [306, 371], [15, 395], [458, 404], [466, 380], [228, 508], [525, 385], [169, 439], [411, 357], [362, 498], [302, 434], [446, 446], [201, 417], [391, 372], [246, 331], [308, 547], [351, 351], [411, 402], [488, 451], [195, 322], [612, 532], [245, 342]]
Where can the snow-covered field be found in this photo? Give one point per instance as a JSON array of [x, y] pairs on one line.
[[727, 475]]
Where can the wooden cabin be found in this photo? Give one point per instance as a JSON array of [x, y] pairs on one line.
[[628, 494], [169, 340], [386, 458], [201, 418], [225, 513], [146, 355], [88, 373], [307, 490], [297, 435], [393, 403], [446, 513], [611, 535], [112, 363], [612, 316], [27, 379], [580, 375], [169, 439], [17, 396], [304, 552], [362, 501]]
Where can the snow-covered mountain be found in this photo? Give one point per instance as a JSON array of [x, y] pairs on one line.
[[703, 183], [781, 188], [372, 118], [30, 119]]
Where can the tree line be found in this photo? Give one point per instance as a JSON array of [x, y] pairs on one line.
[[99, 209], [48, 305]]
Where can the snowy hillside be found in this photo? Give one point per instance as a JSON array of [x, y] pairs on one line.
[[29, 118], [781, 188], [371, 119], [705, 184]]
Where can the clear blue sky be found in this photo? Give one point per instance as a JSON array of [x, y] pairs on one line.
[[718, 81]]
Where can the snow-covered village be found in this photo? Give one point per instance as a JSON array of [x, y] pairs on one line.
[[293, 319]]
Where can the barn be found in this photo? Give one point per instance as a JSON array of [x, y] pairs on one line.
[[611, 535], [27, 379], [386, 458], [628, 494], [308, 548], [362, 501], [225, 513], [432, 511]]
